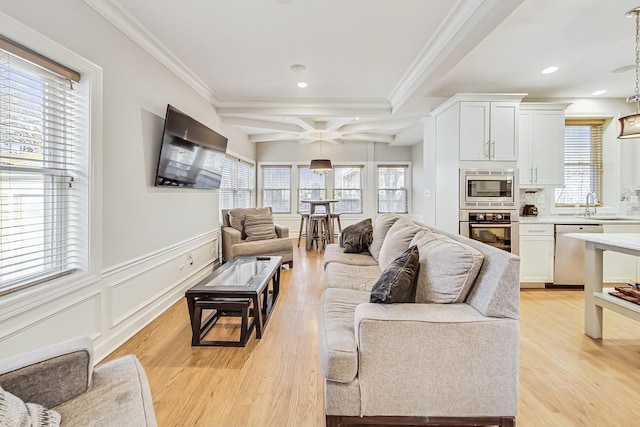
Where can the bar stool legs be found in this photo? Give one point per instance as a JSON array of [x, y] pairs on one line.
[[318, 227], [334, 217], [303, 217]]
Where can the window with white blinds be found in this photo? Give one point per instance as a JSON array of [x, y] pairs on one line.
[[582, 162], [276, 188], [392, 189], [43, 191], [237, 185], [347, 189], [311, 185]]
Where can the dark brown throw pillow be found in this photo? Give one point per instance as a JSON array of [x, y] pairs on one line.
[[397, 283], [357, 237]]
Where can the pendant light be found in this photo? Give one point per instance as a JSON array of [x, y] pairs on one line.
[[320, 165], [630, 125]]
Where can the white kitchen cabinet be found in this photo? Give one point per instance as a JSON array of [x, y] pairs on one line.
[[489, 130], [536, 255], [618, 267], [541, 140]]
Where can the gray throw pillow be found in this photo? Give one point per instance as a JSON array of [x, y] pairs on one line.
[[357, 237], [14, 412], [397, 283], [259, 227]]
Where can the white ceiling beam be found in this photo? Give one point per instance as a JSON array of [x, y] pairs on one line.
[[276, 136], [388, 139], [380, 124], [262, 124], [305, 141], [306, 123], [337, 122]]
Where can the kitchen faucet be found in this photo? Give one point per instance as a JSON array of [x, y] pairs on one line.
[[594, 200]]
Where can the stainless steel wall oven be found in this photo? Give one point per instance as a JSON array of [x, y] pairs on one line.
[[497, 228]]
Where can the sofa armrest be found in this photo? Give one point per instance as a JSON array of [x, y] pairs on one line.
[[282, 231], [409, 353], [52, 375], [230, 237]]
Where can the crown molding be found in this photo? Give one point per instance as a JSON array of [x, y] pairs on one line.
[[143, 38], [465, 17], [304, 107]]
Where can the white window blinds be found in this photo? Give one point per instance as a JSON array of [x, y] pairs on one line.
[[311, 185], [276, 188], [348, 189], [237, 186], [42, 183], [392, 191], [582, 162]]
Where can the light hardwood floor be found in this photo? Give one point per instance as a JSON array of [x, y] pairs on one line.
[[566, 378]]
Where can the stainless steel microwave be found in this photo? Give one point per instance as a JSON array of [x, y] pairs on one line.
[[488, 188]]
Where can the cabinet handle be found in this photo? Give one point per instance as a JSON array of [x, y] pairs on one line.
[[487, 151], [493, 146], [536, 174], [536, 231]]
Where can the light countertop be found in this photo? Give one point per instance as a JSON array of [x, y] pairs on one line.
[[577, 219], [620, 240]]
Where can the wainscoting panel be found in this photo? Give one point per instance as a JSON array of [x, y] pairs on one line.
[[51, 323]]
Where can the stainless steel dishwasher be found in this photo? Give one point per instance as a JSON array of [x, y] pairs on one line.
[[568, 266]]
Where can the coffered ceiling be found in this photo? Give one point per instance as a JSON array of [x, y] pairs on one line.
[[375, 67]]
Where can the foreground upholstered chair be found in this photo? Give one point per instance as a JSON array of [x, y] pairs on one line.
[[449, 358], [62, 377], [235, 241]]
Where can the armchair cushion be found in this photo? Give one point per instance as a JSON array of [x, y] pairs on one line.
[[259, 227], [237, 216], [448, 268], [15, 412], [397, 283], [357, 237]]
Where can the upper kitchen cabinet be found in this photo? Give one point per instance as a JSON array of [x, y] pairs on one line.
[[489, 131], [541, 140]]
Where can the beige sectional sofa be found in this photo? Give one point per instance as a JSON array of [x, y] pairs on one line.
[[451, 354]]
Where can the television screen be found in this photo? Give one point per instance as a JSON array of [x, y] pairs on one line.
[[192, 155]]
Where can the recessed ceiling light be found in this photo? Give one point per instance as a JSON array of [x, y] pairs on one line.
[[302, 84], [298, 68], [599, 92], [549, 70]]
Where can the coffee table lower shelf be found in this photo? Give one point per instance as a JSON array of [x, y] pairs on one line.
[[223, 307]]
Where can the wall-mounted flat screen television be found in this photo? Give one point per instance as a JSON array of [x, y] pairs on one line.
[[192, 155]]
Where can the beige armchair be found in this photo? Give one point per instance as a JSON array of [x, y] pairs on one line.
[[234, 241]]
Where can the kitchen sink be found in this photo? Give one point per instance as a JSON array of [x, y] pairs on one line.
[[606, 218]]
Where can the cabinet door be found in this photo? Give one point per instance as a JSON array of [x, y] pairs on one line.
[[536, 259], [503, 132], [524, 153], [547, 147], [474, 130]]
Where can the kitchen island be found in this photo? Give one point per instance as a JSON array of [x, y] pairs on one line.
[[595, 297]]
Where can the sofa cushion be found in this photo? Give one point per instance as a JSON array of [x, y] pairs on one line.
[[381, 226], [397, 240], [337, 343], [15, 412], [259, 227], [236, 217], [357, 237], [119, 395], [448, 268], [397, 283], [335, 254], [357, 277]]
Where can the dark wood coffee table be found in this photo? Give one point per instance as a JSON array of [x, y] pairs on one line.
[[238, 288]]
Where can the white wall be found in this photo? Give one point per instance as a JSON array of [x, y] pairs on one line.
[[418, 182], [147, 232]]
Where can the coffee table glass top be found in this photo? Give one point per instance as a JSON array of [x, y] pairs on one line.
[[240, 274]]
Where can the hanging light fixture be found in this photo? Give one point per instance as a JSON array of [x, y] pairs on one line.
[[321, 165], [630, 125]]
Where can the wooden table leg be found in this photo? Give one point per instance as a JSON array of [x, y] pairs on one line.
[[257, 313], [308, 241]]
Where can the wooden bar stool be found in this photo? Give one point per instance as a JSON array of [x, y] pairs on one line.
[[303, 217], [319, 224], [333, 217]]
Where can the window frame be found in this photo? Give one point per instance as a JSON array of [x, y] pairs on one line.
[[89, 100], [597, 162], [361, 168], [406, 189], [261, 183], [236, 162], [323, 191]]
